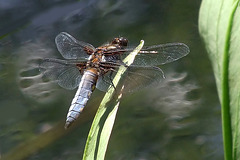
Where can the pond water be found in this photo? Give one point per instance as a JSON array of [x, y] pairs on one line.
[[178, 119]]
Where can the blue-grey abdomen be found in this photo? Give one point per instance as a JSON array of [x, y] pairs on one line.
[[85, 89]]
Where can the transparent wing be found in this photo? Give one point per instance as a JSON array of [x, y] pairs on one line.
[[158, 54], [134, 79], [65, 73], [70, 48], [140, 77]]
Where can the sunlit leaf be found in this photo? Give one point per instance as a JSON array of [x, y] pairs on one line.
[[219, 23]]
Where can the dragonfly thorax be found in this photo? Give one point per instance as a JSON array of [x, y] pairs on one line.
[[94, 61]]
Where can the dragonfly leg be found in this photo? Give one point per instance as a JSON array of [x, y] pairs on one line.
[[111, 79], [111, 82]]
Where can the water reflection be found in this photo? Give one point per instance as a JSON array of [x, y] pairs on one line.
[[169, 121], [179, 120], [30, 81]]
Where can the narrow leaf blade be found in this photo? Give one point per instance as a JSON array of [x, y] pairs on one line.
[[102, 125]]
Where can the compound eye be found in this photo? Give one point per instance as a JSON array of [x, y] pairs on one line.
[[123, 41]]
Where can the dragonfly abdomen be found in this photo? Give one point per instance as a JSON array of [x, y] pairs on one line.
[[85, 89]]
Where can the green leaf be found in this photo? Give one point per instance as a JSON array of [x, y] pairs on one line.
[[219, 26], [102, 125]]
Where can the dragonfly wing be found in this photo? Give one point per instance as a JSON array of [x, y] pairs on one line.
[[70, 48], [140, 77], [160, 54], [65, 73], [135, 78], [103, 84]]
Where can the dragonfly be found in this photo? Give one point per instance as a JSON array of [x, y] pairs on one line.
[[87, 67]]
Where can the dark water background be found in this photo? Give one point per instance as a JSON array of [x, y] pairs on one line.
[[177, 120]]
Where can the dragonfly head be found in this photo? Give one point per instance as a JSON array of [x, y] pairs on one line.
[[120, 41]]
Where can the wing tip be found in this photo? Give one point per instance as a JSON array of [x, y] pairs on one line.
[[185, 47]]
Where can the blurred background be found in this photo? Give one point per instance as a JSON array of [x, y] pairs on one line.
[[178, 119]]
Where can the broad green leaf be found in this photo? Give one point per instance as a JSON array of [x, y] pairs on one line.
[[219, 26], [102, 125]]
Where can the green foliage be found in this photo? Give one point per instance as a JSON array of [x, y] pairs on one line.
[[219, 27], [102, 125]]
